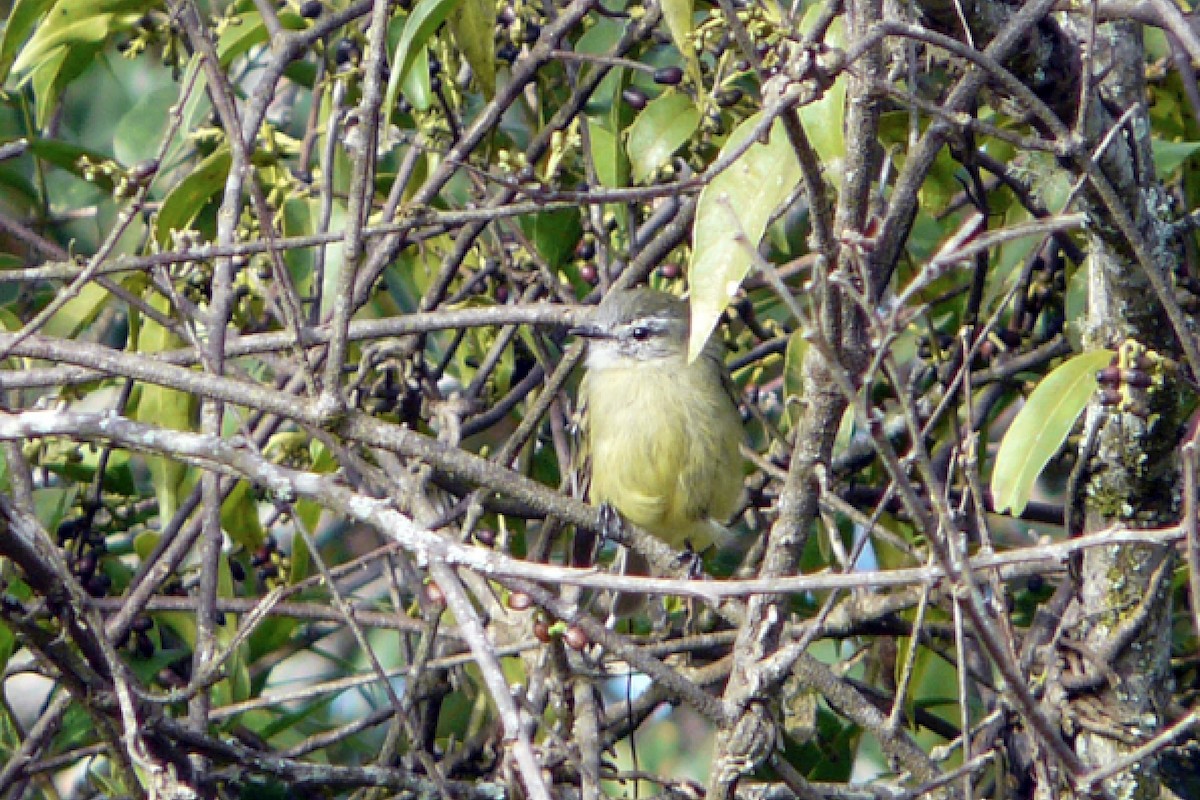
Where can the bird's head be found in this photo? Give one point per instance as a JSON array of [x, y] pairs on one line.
[[635, 326]]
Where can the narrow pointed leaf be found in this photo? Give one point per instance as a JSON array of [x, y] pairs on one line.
[[472, 29], [731, 217], [1041, 427], [424, 21]]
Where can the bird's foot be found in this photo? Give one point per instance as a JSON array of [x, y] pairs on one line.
[[689, 561], [612, 527]]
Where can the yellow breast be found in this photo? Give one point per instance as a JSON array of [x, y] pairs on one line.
[[664, 439]]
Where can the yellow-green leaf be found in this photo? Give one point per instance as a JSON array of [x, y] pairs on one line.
[[823, 117], [165, 408], [22, 21], [731, 216], [680, 18], [417, 87], [660, 129], [78, 312], [1169, 156], [239, 517], [192, 193], [611, 164], [472, 28], [420, 25], [1041, 427], [793, 376]]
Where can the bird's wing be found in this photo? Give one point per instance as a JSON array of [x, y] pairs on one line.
[[584, 545]]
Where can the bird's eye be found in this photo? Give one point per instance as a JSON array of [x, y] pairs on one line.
[[641, 333]]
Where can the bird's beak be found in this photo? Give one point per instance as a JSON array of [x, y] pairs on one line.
[[588, 331]]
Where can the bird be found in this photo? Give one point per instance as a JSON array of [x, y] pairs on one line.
[[662, 435]]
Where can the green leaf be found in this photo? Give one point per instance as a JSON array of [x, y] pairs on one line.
[[554, 234], [421, 24], [22, 20], [163, 408], [605, 101], [823, 118], [1169, 156], [139, 131], [611, 165], [186, 200], [72, 158], [118, 476], [243, 32], [64, 43], [940, 185], [247, 30], [731, 216], [300, 215], [239, 517], [55, 38], [7, 645], [678, 16], [418, 87], [793, 376], [1041, 427], [46, 82], [472, 28], [301, 561], [662, 128], [51, 504], [78, 312]]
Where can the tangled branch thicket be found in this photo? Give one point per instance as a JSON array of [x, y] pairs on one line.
[[288, 498]]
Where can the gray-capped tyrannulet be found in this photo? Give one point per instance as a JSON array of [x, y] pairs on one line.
[[662, 435]]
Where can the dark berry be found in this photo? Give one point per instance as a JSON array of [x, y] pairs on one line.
[[346, 52], [635, 98], [143, 646], [261, 556], [98, 585], [86, 565], [729, 97], [668, 76], [311, 9], [1136, 378], [507, 52], [69, 529], [1109, 376]]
